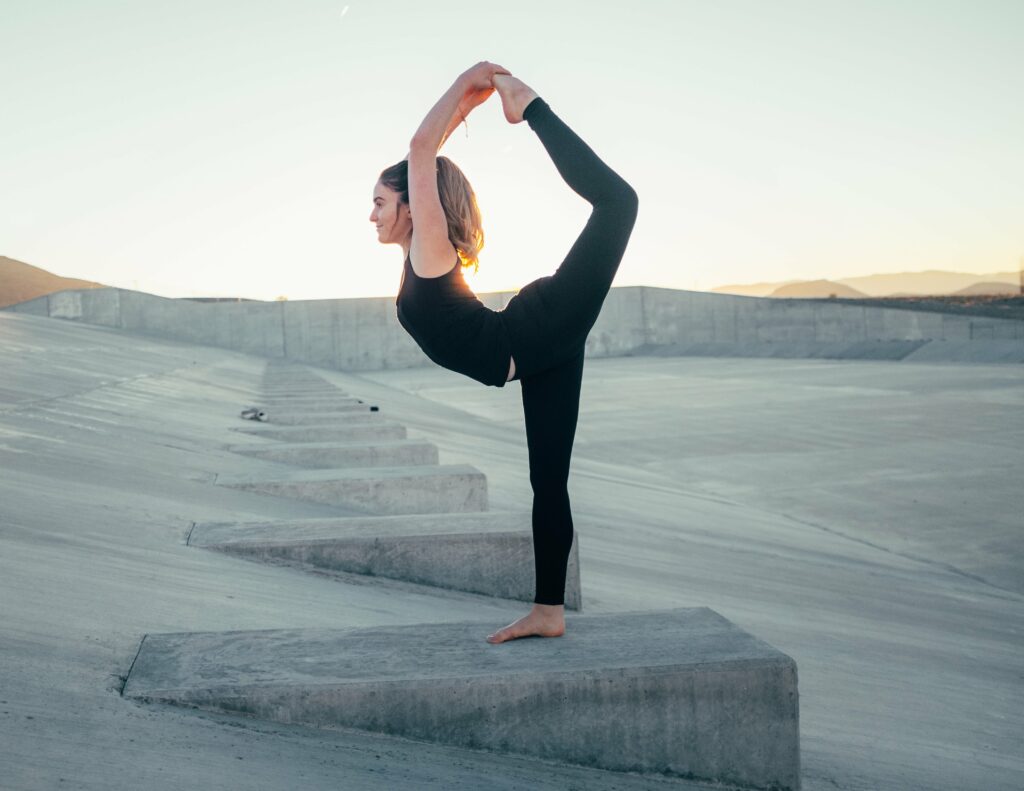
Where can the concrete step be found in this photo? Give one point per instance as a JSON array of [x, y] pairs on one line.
[[682, 692], [348, 432], [287, 377], [298, 417], [304, 395], [317, 406], [302, 390], [487, 552], [386, 453], [294, 387], [423, 489], [311, 401]]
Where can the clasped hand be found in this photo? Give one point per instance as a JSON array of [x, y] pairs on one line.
[[477, 85]]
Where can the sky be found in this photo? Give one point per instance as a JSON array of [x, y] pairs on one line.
[[231, 148]]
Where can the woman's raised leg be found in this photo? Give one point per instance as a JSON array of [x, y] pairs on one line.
[[552, 316]]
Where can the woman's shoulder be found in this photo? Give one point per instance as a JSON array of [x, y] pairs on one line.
[[431, 264]]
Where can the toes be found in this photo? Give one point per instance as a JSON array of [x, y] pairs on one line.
[[502, 635]]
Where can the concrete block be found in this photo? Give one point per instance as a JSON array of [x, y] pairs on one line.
[[311, 401], [385, 453], [311, 390], [682, 692], [419, 489], [487, 552], [314, 405], [294, 380], [337, 432], [282, 417]]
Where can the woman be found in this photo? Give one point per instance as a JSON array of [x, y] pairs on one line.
[[426, 205]]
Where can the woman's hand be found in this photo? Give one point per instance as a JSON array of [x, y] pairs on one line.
[[477, 86], [471, 89], [478, 78]]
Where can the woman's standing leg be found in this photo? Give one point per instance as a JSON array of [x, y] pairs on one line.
[[551, 403]]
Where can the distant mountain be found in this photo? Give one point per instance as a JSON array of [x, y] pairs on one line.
[[753, 289], [20, 282], [817, 289], [932, 282], [986, 289]]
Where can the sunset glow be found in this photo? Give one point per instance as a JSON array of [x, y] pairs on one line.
[[230, 149]]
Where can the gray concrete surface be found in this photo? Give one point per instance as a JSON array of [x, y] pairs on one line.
[[862, 517], [487, 552], [384, 453], [682, 691], [416, 489], [364, 334]]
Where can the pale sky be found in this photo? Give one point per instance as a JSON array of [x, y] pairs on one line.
[[231, 148]]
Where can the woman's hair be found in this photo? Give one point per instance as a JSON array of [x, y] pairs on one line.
[[458, 200]]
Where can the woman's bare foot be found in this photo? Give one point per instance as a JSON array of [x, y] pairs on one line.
[[544, 620], [515, 96]]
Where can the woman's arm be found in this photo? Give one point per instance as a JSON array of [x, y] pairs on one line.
[[430, 249], [470, 89]]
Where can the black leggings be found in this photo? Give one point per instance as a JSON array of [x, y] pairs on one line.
[[548, 322]]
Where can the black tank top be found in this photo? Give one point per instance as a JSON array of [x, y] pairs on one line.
[[452, 327]]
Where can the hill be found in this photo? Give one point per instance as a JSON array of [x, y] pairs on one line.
[[817, 289], [930, 282], [985, 289], [751, 289], [20, 282]]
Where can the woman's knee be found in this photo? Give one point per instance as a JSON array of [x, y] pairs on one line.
[[629, 199], [621, 209]]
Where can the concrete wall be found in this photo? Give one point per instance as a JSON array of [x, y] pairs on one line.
[[364, 334]]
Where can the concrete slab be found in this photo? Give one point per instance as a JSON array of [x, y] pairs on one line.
[[303, 394], [382, 490], [326, 455], [302, 390], [318, 406], [488, 552], [304, 402], [377, 430], [683, 691], [295, 417], [309, 401]]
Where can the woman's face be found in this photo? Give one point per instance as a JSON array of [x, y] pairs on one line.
[[392, 218]]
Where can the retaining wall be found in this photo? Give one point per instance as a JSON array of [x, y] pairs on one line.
[[364, 334]]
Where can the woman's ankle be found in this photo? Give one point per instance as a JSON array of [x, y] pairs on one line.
[[532, 107], [515, 95]]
